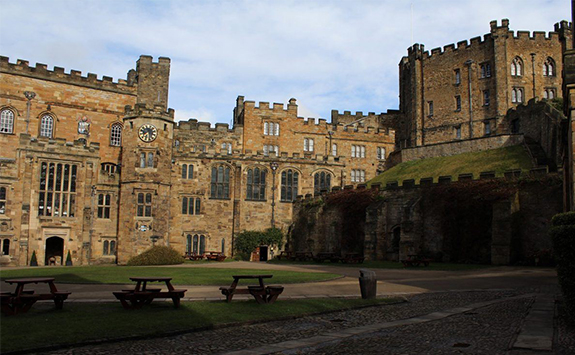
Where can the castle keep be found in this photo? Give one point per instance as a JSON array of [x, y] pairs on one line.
[[100, 169]]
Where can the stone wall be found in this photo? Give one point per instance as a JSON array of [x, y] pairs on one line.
[[497, 221]]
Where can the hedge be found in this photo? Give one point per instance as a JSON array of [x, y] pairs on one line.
[[563, 237], [157, 255]]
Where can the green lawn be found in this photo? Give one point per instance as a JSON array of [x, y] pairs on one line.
[[392, 265], [44, 326], [180, 275], [497, 160]]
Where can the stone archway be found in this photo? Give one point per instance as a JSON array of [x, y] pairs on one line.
[[54, 248]]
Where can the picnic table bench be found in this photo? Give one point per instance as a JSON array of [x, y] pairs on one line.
[[215, 256], [352, 258], [21, 301], [261, 293], [323, 256], [303, 255], [140, 295], [416, 260], [193, 256]]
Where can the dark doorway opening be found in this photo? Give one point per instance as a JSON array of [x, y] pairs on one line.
[[263, 253], [54, 248]]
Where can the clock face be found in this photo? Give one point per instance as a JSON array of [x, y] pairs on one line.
[[147, 133]]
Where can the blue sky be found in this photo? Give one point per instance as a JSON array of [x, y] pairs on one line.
[[327, 54]]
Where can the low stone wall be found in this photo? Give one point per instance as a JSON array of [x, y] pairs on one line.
[[459, 147]]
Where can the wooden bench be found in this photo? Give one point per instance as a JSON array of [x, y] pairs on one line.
[[265, 295], [215, 256], [287, 255], [137, 299], [322, 257], [416, 261]]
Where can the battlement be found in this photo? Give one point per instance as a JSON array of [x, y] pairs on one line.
[[42, 142], [146, 109], [265, 106], [74, 77], [193, 125]]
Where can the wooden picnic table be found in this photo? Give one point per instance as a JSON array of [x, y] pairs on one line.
[[323, 256], [21, 301], [352, 258], [141, 294], [303, 255], [416, 260], [261, 293], [193, 256], [215, 256], [288, 255]]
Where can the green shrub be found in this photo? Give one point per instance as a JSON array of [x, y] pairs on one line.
[[157, 255], [247, 241], [563, 236]]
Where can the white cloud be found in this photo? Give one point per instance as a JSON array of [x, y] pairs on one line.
[[328, 54]]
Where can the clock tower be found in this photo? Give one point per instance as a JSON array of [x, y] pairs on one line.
[[145, 181]]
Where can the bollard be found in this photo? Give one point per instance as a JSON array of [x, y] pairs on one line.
[[367, 284]]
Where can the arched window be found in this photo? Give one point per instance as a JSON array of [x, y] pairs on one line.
[[189, 244], [106, 250], [6, 247], [223, 245], [7, 121], [112, 247], [321, 181], [256, 184], [116, 135], [187, 171], [517, 67], [549, 67], [289, 185], [195, 245], [220, 185], [2, 200], [47, 126], [202, 244], [517, 95]]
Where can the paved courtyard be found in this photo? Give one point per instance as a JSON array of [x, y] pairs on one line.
[[491, 311]]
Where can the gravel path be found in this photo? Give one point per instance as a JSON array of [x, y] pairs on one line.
[[480, 331]]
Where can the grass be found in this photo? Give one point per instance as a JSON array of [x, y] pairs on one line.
[[497, 160], [180, 275], [44, 326], [393, 265]]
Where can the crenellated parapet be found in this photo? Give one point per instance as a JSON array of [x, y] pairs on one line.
[[143, 109], [73, 77], [194, 125]]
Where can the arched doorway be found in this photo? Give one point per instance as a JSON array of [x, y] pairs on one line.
[[54, 248]]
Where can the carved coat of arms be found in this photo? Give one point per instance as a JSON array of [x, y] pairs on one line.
[[84, 125]]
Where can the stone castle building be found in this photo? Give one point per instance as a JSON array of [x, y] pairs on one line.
[[464, 91], [100, 169]]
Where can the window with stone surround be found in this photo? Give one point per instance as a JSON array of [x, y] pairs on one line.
[[191, 205], [486, 98], [6, 246], [57, 192], [458, 103], [357, 151], [517, 95], [457, 76], [146, 160], [109, 247], [116, 135], [220, 183], [308, 144], [487, 128], [357, 175], [517, 67], [485, 70], [321, 181], [47, 126], [549, 67], [549, 94], [104, 205], [271, 128], [256, 184], [334, 149], [187, 171], [144, 204], [458, 132], [430, 108], [7, 121], [289, 185], [227, 147], [199, 244], [2, 200], [381, 153]]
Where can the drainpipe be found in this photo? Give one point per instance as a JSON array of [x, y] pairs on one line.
[[468, 63], [533, 71]]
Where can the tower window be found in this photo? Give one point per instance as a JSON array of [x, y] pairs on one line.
[[116, 135], [144, 204], [220, 184], [457, 76], [47, 126], [517, 67], [256, 184], [7, 121], [289, 185], [549, 67], [104, 203], [308, 145]]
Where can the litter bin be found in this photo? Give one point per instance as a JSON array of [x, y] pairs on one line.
[[367, 284]]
